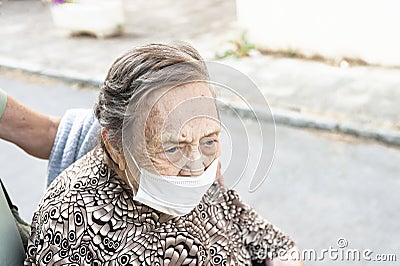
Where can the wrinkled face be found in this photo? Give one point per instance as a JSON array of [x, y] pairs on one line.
[[181, 134]]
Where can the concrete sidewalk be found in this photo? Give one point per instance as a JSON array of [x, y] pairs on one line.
[[361, 101]]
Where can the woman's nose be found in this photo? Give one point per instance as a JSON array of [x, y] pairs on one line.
[[193, 168], [194, 165]]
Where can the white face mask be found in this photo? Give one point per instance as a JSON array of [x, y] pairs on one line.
[[174, 195]]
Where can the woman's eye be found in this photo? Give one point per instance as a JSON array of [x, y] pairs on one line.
[[172, 150], [209, 147], [209, 142]]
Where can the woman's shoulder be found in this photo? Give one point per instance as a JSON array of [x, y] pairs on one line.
[[89, 178], [87, 173], [220, 195]]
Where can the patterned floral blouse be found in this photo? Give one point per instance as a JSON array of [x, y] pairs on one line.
[[88, 217]]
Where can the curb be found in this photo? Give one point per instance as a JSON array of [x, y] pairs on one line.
[[280, 116], [68, 77], [301, 120]]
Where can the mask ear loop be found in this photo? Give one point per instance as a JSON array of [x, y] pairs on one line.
[[134, 191]]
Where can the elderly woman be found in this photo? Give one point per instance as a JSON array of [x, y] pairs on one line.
[[147, 194]]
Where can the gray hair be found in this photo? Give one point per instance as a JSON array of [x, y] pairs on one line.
[[139, 72]]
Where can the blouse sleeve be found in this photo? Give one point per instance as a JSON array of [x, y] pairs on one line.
[[262, 239]]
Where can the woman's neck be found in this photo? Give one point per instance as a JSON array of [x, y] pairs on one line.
[[122, 174]]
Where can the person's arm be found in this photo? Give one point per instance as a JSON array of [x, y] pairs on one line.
[[30, 130]]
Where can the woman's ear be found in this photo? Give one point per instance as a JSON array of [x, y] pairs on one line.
[[117, 157]]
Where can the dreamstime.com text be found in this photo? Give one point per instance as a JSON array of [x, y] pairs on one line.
[[341, 252]]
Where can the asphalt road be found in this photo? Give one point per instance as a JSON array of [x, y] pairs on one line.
[[321, 187]]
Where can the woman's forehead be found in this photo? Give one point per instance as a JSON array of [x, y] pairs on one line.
[[174, 108], [188, 100], [172, 98]]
